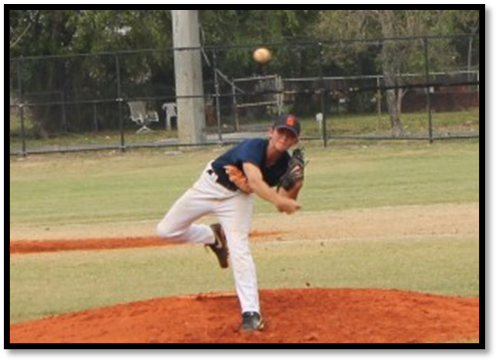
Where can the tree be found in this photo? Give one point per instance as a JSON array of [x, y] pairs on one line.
[[103, 38], [248, 28], [52, 34], [395, 55]]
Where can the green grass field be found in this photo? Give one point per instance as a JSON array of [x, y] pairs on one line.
[[95, 190], [140, 185]]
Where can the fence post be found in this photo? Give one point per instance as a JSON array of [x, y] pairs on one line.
[[378, 95], [119, 99], [64, 118], [322, 95], [427, 88], [21, 109], [95, 121], [234, 106], [217, 97]]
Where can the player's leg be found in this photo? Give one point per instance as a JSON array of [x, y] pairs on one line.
[[235, 215], [177, 224]]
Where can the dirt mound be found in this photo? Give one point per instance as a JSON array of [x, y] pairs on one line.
[[292, 316]]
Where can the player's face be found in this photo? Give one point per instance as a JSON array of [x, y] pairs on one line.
[[282, 139]]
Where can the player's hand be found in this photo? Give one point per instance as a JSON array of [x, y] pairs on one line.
[[287, 205]]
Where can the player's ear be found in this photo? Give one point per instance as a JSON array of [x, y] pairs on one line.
[[270, 131]]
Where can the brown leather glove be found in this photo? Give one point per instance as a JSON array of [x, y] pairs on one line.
[[295, 170]]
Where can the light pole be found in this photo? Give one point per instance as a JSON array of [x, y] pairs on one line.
[[191, 120]]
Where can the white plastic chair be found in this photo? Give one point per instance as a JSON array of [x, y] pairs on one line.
[[140, 116], [170, 109]]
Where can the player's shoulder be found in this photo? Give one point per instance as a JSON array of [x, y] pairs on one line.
[[253, 150], [254, 144]]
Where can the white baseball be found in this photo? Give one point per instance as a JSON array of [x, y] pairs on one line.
[[262, 55]]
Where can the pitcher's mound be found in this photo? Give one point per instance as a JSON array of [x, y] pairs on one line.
[[291, 316]]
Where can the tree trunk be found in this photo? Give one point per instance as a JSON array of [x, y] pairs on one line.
[[394, 97], [391, 67], [394, 108]]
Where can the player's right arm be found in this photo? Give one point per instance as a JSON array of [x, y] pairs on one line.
[[263, 190], [293, 192]]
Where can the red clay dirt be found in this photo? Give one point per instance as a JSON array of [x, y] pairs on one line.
[[292, 316], [311, 315], [35, 246]]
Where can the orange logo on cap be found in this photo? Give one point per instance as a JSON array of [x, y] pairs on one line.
[[290, 121]]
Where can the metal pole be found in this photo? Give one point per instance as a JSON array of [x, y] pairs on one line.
[[379, 104], [322, 96], [427, 88], [478, 87], [64, 118], [119, 99], [95, 121], [21, 110], [469, 55], [217, 97], [234, 104]]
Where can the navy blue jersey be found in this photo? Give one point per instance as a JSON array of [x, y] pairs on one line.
[[252, 151]]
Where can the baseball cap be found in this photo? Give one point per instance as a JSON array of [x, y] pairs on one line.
[[288, 121]]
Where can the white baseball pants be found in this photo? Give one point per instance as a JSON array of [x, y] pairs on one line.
[[234, 211]]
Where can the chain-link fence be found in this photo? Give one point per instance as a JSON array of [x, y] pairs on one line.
[[404, 88]]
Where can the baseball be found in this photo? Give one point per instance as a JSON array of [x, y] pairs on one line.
[[262, 55]]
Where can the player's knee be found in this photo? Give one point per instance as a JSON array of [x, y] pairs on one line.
[[161, 232], [167, 233]]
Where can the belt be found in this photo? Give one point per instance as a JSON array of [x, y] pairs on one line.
[[225, 183]]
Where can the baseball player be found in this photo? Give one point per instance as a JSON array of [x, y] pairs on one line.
[[225, 189]]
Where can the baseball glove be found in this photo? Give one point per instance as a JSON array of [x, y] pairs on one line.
[[295, 170]]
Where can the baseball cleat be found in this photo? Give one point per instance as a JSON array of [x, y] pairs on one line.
[[219, 248], [252, 321]]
